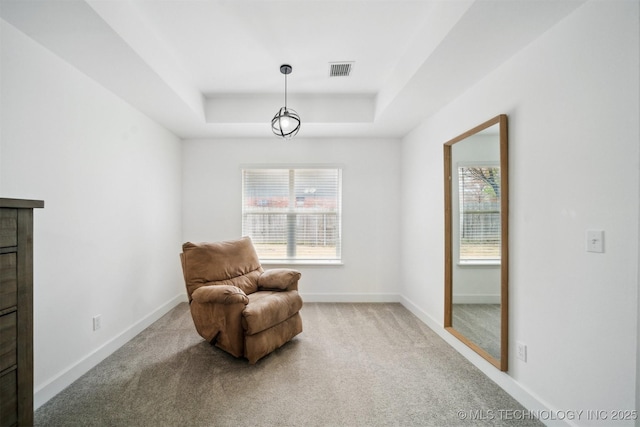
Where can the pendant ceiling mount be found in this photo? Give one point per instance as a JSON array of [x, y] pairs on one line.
[[286, 69]]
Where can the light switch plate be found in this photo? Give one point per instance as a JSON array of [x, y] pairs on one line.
[[595, 241]]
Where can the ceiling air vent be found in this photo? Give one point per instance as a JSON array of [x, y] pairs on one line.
[[340, 69]]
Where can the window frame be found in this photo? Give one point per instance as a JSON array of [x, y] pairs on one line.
[[291, 210]]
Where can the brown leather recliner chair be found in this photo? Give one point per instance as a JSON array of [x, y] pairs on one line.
[[235, 303]]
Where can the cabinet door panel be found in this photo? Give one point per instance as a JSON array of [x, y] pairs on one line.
[[8, 281], [8, 227], [8, 340], [9, 401]]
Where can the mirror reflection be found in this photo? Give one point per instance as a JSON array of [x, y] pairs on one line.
[[475, 276]]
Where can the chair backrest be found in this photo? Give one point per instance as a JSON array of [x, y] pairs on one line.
[[231, 262]]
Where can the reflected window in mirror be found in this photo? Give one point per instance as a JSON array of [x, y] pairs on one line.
[[479, 214]]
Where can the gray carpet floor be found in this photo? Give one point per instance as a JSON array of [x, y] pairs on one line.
[[354, 365]]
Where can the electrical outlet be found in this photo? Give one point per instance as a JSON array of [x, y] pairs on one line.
[[97, 322], [521, 351]]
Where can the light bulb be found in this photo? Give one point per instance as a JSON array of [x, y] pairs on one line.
[[285, 123]]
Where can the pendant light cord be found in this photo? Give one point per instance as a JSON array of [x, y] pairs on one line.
[[285, 92]]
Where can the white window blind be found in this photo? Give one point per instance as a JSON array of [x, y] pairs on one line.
[[479, 194], [293, 214]]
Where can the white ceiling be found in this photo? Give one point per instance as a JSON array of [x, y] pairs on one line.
[[210, 68]]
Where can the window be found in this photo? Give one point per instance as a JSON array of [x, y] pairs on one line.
[[293, 214], [479, 197]]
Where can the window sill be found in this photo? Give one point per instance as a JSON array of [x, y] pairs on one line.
[[479, 263], [287, 262]]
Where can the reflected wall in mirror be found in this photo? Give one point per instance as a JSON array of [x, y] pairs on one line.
[[476, 239]]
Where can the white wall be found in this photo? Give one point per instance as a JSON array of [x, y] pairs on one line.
[[370, 222], [572, 101], [108, 239]]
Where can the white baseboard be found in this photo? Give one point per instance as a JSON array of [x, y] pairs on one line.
[[44, 392], [527, 399], [319, 297]]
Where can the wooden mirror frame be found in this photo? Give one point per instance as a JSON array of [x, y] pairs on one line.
[[501, 363]]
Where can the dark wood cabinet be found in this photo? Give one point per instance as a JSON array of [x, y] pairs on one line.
[[16, 311]]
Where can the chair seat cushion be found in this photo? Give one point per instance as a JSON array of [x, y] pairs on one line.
[[268, 308]]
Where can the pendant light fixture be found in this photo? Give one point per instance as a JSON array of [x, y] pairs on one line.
[[286, 123]]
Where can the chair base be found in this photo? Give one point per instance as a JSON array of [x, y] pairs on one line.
[[259, 345]]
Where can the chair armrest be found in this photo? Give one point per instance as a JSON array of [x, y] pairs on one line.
[[284, 279], [221, 294]]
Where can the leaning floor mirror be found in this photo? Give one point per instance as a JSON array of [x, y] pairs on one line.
[[476, 239]]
